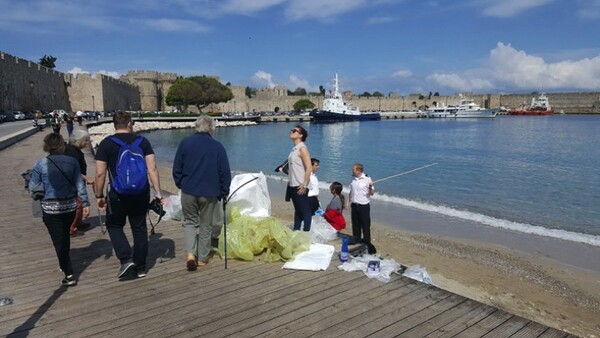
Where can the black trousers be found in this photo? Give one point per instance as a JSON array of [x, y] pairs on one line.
[[58, 227], [361, 221]]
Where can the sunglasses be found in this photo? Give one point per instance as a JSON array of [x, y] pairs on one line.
[[294, 131]]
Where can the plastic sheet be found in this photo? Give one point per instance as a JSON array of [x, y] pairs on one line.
[[172, 207], [252, 198], [386, 267], [419, 273], [321, 230]]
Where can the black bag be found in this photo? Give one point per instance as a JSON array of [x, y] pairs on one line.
[[283, 167]]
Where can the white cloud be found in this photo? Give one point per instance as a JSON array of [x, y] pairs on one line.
[[403, 73], [377, 20], [247, 7], [590, 9], [319, 9], [263, 78], [77, 70], [296, 82], [510, 8], [175, 25], [116, 75], [508, 68]]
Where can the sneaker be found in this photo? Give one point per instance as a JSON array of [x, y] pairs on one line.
[[141, 274], [68, 281], [125, 268]]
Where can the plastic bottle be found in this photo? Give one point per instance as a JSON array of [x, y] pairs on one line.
[[344, 251]]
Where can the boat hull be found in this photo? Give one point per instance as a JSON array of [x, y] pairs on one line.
[[327, 117], [530, 112]]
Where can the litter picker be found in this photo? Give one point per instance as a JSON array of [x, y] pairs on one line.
[[404, 173]]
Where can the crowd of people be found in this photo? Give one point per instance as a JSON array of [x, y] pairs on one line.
[[127, 179]]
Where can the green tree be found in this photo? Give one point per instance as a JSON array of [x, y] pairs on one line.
[[421, 97], [250, 92], [365, 94], [436, 94], [303, 104], [182, 93], [212, 91], [322, 90], [48, 61], [377, 94], [300, 91]]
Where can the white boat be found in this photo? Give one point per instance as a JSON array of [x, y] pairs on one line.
[[466, 108], [336, 110]]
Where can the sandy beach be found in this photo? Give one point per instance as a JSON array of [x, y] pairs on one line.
[[532, 286]]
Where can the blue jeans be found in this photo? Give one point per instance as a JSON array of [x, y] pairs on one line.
[[301, 208], [134, 208], [58, 227]]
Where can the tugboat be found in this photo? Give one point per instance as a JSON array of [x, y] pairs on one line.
[[336, 110], [539, 106]]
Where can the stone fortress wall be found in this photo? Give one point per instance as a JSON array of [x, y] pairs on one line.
[[28, 86]]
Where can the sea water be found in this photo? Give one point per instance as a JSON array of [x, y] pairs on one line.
[[532, 174]]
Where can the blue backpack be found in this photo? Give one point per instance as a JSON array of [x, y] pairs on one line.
[[131, 176]]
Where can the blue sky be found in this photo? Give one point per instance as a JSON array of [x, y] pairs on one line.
[[401, 46]]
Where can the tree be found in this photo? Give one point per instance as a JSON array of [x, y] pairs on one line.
[[299, 92], [436, 94], [365, 94], [421, 97], [48, 61], [303, 104], [322, 90], [377, 94], [182, 93], [212, 91], [250, 92]]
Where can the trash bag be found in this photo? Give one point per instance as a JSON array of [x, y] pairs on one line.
[[252, 198], [172, 207], [248, 236], [322, 231], [419, 273]]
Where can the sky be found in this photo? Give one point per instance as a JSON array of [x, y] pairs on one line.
[[400, 46]]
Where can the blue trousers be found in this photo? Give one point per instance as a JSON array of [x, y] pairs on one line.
[[301, 209]]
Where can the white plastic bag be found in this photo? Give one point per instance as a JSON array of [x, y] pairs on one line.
[[419, 273], [321, 230], [252, 198], [172, 207], [386, 267]]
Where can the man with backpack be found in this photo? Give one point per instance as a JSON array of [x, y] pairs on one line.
[[129, 160]]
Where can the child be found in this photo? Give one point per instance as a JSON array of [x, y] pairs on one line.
[[333, 212]]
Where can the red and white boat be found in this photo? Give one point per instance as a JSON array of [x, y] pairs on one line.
[[539, 106]]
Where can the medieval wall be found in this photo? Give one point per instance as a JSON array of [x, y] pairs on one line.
[[153, 87], [28, 86], [102, 93]]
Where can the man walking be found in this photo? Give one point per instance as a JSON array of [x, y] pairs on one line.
[[201, 170], [127, 198]]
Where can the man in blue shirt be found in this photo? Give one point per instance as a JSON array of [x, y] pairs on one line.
[[201, 170]]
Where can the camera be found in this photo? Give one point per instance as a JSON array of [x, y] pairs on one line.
[[157, 207]]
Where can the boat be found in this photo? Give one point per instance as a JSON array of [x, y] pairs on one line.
[[336, 110], [466, 108], [539, 106]]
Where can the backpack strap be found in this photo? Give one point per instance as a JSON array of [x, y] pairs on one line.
[[121, 143]]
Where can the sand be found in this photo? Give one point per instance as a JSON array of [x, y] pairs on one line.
[[532, 285]]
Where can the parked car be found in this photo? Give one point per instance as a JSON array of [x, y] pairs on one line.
[[8, 116], [19, 115]]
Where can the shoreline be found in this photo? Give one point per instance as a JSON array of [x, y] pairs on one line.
[[533, 284]]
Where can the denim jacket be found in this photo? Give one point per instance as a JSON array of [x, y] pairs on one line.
[[56, 185]]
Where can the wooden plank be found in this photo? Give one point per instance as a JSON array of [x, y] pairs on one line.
[[463, 322], [532, 329], [486, 324], [508, 328]]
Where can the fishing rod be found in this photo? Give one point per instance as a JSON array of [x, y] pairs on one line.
[[404, 173]]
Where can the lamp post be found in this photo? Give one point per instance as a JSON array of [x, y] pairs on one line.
[[93, 104]]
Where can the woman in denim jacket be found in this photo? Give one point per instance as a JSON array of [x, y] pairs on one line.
[[60, 177]]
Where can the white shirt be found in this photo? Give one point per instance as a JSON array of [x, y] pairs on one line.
[[313, 186], [359, 189]]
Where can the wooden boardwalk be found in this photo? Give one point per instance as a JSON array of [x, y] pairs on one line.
[[246, 300]]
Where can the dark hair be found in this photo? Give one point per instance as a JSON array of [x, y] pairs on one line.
[[314, 160], [121, 119], [302, 132], [336, 188], [54, 144]]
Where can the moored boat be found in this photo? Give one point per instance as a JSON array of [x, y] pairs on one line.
[[336, 110], [539, 106], [466, 108]]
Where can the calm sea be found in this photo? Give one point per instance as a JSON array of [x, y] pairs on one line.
[[536, 174]]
